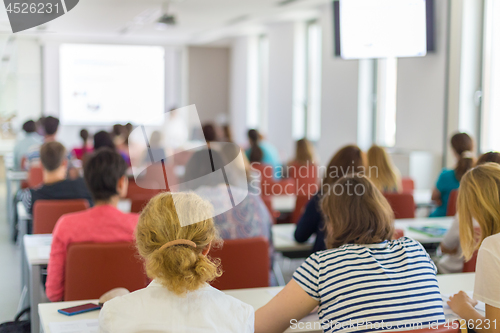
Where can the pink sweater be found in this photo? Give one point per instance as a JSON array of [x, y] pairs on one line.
[[101, 224]]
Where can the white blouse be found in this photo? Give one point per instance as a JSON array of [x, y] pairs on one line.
[[156, 309], [487, 283]]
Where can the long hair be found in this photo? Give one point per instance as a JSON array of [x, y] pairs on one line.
[[304, 152], [386, 177], [479, 199], [462, 145], [256, 153], [348, 160]]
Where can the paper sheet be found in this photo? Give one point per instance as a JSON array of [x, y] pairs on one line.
[[446, 297], [43, 252], [79, 326]]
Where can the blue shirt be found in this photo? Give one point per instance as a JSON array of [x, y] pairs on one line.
[[270, 156], [393, 281], [446, 183]]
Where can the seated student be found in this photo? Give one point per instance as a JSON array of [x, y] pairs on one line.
[[104, 139], [364, 276], [478, 199], [263, 152], [348, 160], [304, 156], [85, 148], [50, 127], [179, 298], [382, 171], [452, 260], [105, 176], [449, 180], [30, 139], [55, 184], [250, 218]]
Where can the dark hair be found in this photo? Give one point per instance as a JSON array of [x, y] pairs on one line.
[[228, 133], [209, 132], [348, 160], [29, 126], [102, 172], [117, 129], [50, 124], [491, 156], [84, 134], [200, 164], [256, 153], [355, 216], [103, 139], [52, 155], [461, 143]]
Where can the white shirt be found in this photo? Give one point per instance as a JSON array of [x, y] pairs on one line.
[[156, 309], [487, 283], [452, 263]]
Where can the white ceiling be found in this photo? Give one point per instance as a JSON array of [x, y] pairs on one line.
[[199, 21]]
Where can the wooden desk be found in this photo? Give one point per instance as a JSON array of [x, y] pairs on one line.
[[256, 297]]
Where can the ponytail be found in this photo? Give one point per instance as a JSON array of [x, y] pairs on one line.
[[256, 153], [465, 162], [462, 145]]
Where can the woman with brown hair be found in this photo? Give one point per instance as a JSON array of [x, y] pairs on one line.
[[364, 279], [449, 180], [347, 161]]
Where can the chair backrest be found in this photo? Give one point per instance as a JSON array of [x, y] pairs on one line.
[[47, 212], [300, 204], [245, 263], [451, 209], [138, 204], [95, 268], [306, 178], [35, 177], [136, 192], [470, 266], [452, 327], [408, 185], [402, 204], [269, 205]]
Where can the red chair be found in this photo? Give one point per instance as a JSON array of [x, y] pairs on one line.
[[305, 177], [137, 205], [93, 269], [135, 191], [47, 212], [402, 204], [300, 205], [451, 209], [452, 327], [35, 177], [270, 186], [408, 185], [245, 263], [470, 266], [269, 204]]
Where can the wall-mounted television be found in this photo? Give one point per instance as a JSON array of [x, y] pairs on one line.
[[367, 29]]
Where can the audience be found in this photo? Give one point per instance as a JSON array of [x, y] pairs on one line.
[[262, 152], [346, 161], [479, 200], [55, 185], [85, 148], [23, 145], [452, 260], [364, 275], [250, 218], [50, 127], [179, 298], [105, 176], [382, 172], [449, 180]]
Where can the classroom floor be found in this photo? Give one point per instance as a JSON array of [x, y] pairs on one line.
[[10, 265]]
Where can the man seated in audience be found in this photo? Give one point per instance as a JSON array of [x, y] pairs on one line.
[[105, 176], [50, 126], [55, 185], [30, 139]]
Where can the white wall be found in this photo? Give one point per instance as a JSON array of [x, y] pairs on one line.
[[208, 81]]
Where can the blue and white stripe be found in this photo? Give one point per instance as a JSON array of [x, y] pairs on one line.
[[394, 282]]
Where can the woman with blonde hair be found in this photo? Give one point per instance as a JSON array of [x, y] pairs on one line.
[[174, 236], [479, 200], [386, 176]]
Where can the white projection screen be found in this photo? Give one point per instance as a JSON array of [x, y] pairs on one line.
[[383, 28], [109, 84]]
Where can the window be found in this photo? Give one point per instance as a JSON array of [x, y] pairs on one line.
[[490, 135], [385, 130], [258, 83], [307, 82]]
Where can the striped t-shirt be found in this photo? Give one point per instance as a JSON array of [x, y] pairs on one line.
[[378, 287]]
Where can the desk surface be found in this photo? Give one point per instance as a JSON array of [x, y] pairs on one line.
[[256, 297], [37, 249]]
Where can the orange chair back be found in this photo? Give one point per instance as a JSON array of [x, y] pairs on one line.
[[245, 263], [470, 266], [306, 178], [137, 204], [47, 212], [300, 205], [35, 177], [137, 192], [408, 185], [269, 205], [453, 327], [93, 269], [451, 209], [402, 204]]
